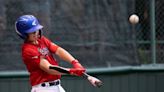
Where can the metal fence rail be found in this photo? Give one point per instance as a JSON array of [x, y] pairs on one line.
[[97, 71]]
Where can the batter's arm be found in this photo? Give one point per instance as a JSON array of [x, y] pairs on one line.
[[64, 55]]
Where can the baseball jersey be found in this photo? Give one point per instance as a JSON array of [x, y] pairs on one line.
[[31, 56]]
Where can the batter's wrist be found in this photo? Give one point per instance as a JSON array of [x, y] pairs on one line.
[[74, 61]]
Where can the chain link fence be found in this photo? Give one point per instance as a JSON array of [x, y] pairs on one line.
[[159, 30], [144, 35], [97, 32]]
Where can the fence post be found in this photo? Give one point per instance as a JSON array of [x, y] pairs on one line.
[[153, 32]]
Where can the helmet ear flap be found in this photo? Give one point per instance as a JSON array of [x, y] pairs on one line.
[[23, 36], [18, 33]]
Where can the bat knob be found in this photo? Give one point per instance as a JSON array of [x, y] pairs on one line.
[[98, 83], [94, 81]]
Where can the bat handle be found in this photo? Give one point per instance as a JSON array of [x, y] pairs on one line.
[[85, 74]]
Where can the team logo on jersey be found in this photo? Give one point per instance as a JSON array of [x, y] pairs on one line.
[[43, 51]]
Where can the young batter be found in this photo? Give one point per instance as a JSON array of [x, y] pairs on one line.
[[37, 54]]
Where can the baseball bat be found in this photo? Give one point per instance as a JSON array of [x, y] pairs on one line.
[[93, 80], [59, 69]]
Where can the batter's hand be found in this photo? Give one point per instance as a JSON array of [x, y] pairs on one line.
[[77, 72]]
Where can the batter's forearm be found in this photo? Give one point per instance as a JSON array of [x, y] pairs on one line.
[[64, 55]]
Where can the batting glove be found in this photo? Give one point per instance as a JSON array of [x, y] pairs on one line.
[[77, 65], [77, 72]]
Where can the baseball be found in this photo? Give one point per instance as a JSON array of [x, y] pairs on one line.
[[134, 19]]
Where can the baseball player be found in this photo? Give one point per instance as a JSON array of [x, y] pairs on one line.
[[37, 54]]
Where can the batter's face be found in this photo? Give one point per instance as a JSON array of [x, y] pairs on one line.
[[32, 37]]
